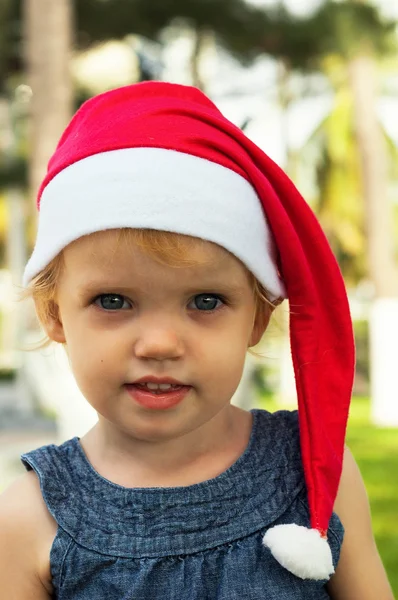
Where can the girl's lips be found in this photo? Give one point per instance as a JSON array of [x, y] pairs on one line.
[[159, 399]]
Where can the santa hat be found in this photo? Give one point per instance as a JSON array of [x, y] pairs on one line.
[[162, 156]]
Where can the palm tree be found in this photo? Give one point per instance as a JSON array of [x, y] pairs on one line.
[[357, 168], [374, 162], [335, 150], [383, 269]]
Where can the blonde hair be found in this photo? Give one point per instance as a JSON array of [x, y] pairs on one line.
[[169, 248]]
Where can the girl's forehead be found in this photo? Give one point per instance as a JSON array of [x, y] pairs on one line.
[[108, 250]]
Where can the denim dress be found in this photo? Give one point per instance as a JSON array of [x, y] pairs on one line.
[[199, 542]]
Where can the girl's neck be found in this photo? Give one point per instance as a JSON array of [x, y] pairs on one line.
[[189, 459]]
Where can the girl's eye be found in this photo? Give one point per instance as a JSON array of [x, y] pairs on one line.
[[112, 302], [206, 302]]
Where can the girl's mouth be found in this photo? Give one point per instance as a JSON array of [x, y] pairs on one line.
[[157, 396]]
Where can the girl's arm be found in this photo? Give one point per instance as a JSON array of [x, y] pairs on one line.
[[360, 574], [22, 527]]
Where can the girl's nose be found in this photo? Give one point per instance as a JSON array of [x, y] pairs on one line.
[[159, 343]]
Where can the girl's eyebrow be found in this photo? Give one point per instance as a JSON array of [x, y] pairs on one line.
[[212, 286], [93, 287]]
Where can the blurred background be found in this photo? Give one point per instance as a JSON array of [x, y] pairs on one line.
[[315, 84]]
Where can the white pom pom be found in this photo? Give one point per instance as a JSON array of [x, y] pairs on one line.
[[303, 552]]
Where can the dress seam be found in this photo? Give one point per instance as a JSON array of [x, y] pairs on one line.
[[62, 564]]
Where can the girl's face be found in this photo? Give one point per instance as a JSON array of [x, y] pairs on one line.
[[125, 317]]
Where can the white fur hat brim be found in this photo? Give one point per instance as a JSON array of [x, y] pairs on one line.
[[160, 189]]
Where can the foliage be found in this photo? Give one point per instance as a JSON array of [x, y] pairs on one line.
[[13, 172], [8, 375], [236, 23], [10, 40], [246, 30], [118, 18], [342, 28], [348, 28], [334, 33], [332, 155], [339, 205], [243, 29]]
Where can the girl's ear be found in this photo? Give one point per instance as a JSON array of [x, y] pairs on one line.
[[262, 318], [53, 325]]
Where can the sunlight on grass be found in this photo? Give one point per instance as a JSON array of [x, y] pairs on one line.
[[376, 452]]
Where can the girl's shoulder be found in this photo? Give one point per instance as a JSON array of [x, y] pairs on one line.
[[277, 432], [27, 533]]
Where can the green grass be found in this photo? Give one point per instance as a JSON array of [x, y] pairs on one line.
[[376, 452]]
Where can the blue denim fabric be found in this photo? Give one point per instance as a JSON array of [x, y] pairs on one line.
[[201, 542]]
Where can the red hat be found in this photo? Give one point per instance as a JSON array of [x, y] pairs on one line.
[[162, 156]]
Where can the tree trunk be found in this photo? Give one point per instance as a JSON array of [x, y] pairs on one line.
[[373, 152], [48, 32], [383, 319]]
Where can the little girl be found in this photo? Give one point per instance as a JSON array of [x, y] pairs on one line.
[[165, 240]]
